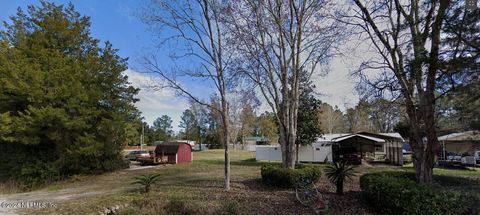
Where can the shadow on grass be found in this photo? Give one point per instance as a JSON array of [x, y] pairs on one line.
[[442, 168], [246, 162], [256, 184]]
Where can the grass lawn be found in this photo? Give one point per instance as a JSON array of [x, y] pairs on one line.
[[467, 172], [197, 188], [198, 185]]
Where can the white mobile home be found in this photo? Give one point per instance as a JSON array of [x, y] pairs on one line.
[[381, 146], [319, 151]]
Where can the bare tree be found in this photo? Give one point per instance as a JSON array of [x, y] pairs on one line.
[[193, 25], [406, 36], [247, 118], [277, 41], [385, 115], [331, 119], [358, 120], [234, 99], [241, 123]]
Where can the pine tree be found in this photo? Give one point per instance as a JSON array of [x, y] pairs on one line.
[[163, 128], [65, 95]]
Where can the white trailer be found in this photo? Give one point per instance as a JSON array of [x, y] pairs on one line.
[[317, 152]]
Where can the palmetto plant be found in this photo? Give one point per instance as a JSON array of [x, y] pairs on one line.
[[146, 181], [337, 172]]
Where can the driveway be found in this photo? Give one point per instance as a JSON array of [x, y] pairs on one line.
[[86, 186]]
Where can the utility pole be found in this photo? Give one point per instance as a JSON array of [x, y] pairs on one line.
[[142, 137]]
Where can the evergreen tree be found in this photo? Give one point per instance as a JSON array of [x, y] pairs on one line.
[[189, 125], [267, 126], [65, 95], [308, 121], [162, 127]]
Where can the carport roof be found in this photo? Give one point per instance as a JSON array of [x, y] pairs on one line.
[[342, 138], [462, 136]]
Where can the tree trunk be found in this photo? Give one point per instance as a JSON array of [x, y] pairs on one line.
[[227, 163], [423, 150], [226, 138], [340, 187], [200, 142], [296, 152], [147, 188], [287, 144]]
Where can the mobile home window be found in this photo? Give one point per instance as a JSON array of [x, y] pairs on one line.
[[378, 148]]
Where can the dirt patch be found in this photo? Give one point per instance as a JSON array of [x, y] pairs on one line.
[[282, 201]]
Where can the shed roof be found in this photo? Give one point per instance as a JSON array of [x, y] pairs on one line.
[[256, 138], [374, 139], [387, 136], [331, 137], [169, 147]]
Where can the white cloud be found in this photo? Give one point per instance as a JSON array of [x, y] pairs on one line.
[[335, 88], [338, 86], [156, 102]]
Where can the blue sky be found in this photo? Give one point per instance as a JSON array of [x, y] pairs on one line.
[[116, 21], [112, 20]]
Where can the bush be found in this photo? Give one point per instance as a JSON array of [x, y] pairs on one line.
[[146, 181], [230, 208], [178, 207], [398, 193], [279, 177], [338, 172]]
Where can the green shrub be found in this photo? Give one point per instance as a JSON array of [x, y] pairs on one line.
[[178, 207], [277, 176], [338, 172], [398, 193], [34, 175], [230, 208], [146, 181]]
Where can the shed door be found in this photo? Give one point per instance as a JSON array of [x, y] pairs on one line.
[[184, 154]]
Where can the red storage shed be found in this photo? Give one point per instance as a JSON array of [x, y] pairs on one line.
[[177, 152]]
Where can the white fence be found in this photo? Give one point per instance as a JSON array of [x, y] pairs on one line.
[[270, 153], [196, 147], [246, 147], [317, 152]]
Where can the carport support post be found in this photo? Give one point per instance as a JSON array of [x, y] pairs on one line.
[[443, 147], [361, 154]]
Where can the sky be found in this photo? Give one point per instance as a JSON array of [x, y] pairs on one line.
[[117, 21]]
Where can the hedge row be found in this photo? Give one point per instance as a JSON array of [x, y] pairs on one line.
[[277, 176], [398, 193]]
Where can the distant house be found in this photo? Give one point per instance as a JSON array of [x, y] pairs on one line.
[[190, 142], [256, 140], [330, 147], [462, 143]]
